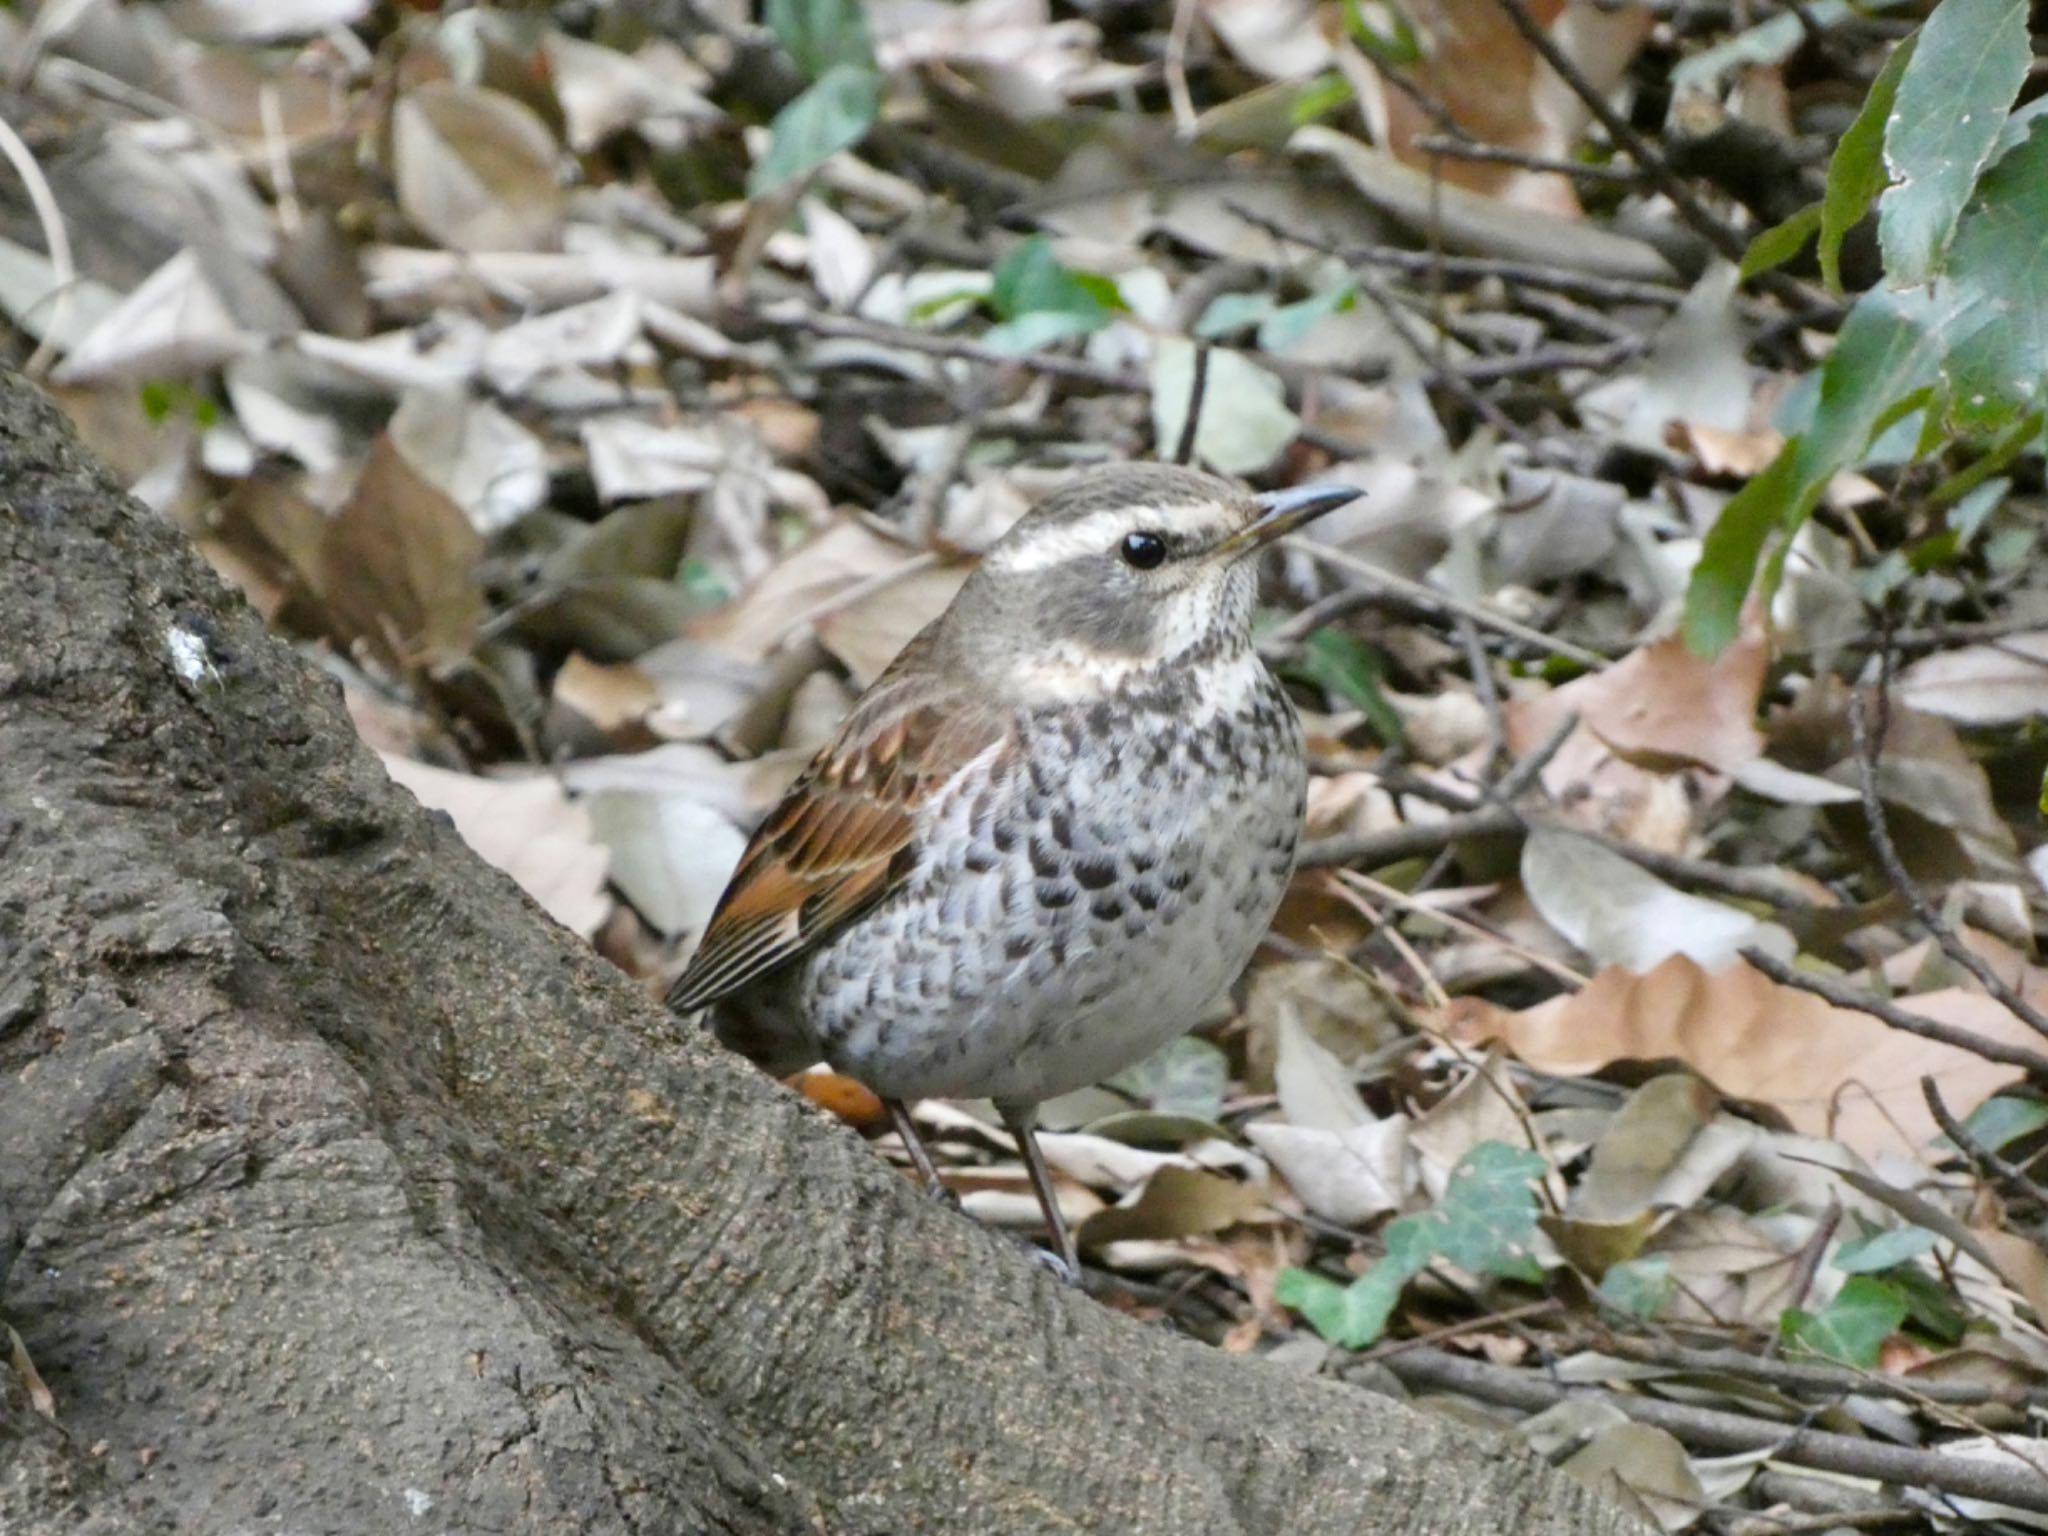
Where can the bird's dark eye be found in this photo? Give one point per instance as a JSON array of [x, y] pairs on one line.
[[1143, 550]]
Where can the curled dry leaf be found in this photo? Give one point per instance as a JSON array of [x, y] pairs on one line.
[[1178, 1202], [1829, 1071]]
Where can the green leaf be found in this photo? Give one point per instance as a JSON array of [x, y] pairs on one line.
[[1730, 552], [1030, 280], [1781, 242], [835, 113], [1394, 48], [1229, 312], [1289, 324], [1997, 1123], [1319, 97], [1883, 1250], [1345, 667], [1883, 367], [1639, 1287], [1039, 328], [1488, 1209], [1189, 1076], [1864, 1313], [821, 34], [1350, 1316], [1487, 1214], [1997, 316], [1856, 174], [1931, 1308], [1952, 100]]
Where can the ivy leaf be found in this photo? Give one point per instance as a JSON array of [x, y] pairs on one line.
[[1486, 1216], [835, 113], [1639, 1287], [1853, 1328], [1350, 1316]]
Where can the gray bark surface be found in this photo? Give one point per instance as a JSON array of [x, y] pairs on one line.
[[340, 1191]]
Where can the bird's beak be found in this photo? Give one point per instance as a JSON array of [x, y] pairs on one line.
[[1281, 512]]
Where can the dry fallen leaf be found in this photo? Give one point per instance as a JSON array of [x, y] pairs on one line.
[[526, 827], [475, 168], [397, 567], [1830, 1071], [1666, 707], [1997, 683]]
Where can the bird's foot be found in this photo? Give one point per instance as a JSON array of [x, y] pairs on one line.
[[1070, 1273]]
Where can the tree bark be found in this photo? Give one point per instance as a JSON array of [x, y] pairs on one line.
[[340, 1191]]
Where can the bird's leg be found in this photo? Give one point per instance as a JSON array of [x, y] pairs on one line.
[[1022, 1120], [920, 1158]]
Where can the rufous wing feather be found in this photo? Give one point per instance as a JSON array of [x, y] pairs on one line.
[[843, 837]]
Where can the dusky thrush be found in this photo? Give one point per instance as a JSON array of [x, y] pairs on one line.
[[1051, 832]]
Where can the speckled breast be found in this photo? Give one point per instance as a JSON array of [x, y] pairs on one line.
[[1077, 900]]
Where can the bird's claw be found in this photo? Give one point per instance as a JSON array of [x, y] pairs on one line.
[[1070, 1273]]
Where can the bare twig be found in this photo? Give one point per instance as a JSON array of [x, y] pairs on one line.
[[1480, 665], [2033, 1063], [1435, 365], [1598, 290], [1413, 841], [1716, 1430], [1807, 1378], [1456, 148], [1986, 1161], [1443, 602], [1645, 154], [1198, 396], [1952, 945]]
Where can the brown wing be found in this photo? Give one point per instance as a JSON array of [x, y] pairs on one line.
[[841, 838]]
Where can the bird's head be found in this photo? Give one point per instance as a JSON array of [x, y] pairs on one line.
[[1122, 571]]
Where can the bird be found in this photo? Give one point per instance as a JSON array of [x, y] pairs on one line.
[[1047, 835]]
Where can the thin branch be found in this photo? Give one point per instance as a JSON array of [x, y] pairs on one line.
[[1867, 749], [1645, 154], [1718, 1431], [1443, 602], [1598, 290], [1455, 148], [1198, 396], [1413, 841], [1445, 375], [1841, 995], [1987, 1162], [1811, 1378]]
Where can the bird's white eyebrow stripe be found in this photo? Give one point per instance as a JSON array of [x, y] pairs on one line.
[[1087, 535]]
